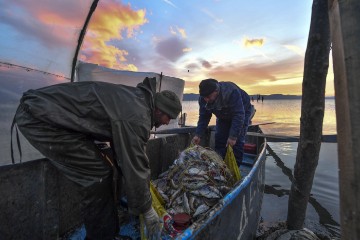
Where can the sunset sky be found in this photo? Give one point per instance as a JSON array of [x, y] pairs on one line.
[[259, 45]]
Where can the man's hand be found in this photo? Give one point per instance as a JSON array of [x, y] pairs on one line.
[[231, 142], [153, 225], [196, 140]]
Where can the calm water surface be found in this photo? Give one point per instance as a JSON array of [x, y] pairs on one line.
[[323, 208]]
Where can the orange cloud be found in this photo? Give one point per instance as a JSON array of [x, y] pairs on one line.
[[55, 13], [53, 23], [109, 56], [109, 22], [54, 18], [111, 18]]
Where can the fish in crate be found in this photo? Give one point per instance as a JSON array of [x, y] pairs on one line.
[[194, 183]]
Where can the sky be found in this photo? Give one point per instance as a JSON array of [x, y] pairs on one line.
[[260, 44]]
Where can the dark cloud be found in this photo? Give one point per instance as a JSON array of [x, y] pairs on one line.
[[171, 48], [206, 64], [197, 65]]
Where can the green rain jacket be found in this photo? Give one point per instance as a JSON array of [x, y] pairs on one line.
[[120, 114]]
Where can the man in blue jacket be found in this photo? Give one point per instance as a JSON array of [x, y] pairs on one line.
[[231, 106]]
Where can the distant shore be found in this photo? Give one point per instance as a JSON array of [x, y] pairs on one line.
[[195, 97]]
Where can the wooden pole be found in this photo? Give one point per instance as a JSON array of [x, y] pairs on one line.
[[345, 31], [312, 113]]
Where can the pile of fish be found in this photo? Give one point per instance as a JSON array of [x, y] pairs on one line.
[[194, 183]]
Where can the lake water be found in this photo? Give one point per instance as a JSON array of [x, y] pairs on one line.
[[323, 209]]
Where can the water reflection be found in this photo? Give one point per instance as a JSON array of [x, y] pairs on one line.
[[323, 208]]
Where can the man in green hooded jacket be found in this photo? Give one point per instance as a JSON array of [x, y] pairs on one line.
[[63, 121]]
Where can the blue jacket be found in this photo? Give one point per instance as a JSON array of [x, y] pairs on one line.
[[232, 104]]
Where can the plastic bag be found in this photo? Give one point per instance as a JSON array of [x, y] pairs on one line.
[[157, 201], [230, 162], [158, 205]]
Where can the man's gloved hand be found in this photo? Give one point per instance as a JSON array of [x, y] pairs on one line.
[[153, 224]]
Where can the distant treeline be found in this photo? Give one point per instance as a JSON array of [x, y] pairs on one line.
[[195, 97]]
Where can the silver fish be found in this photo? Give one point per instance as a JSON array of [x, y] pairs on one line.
[[186, 203], [201, 209], [191, 203], [208, 192], [194, 185], [195, 171], [173, 185], [174, 196]]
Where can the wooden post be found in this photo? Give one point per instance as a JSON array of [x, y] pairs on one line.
[[312, 113], [345, 31]]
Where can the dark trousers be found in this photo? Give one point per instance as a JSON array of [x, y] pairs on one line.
[[79, 159], [222, 135]]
